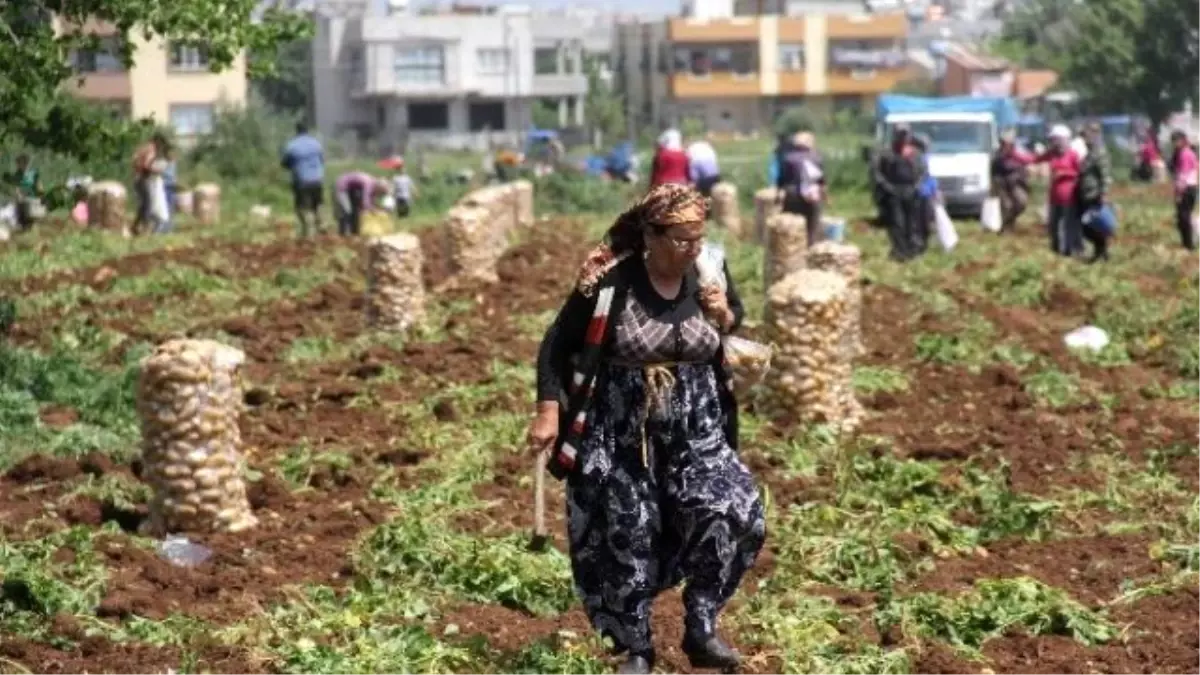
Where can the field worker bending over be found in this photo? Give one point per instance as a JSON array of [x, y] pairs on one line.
[[636, 408], [670, 163], [1010, 180], [801, 183], [354, 193], [898, 174], [703, 170], [304, 158]]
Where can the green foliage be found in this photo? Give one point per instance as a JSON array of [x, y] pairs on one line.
[[245, 143], [35, 60], [1115, 53], [286, 86]]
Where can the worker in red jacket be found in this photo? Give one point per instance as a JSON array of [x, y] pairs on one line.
[[670, 164]]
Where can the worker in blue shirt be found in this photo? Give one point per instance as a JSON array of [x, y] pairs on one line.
[[304, 157]]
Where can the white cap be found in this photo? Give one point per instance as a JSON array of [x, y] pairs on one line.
[[1060, 131]]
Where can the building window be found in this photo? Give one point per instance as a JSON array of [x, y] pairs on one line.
[[486, 115], [545, 61], [428, 116], [424, 65], [791, 57], [103, 59], [705, 61], [188, 58], [192, 119], [492, 61], [743, 61]]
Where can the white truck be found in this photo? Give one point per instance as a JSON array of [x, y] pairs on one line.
[[963, 133]]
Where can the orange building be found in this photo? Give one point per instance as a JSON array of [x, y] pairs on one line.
[[734, 74]]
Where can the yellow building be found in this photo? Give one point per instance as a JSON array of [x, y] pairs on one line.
[[170, 83], [735, 74]]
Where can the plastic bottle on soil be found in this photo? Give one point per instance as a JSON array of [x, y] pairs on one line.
[[179, 551]]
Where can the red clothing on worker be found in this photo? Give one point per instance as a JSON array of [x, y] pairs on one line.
[[1064, 175], [669, 166]]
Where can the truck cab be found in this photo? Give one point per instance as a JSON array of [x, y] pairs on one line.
[[960, 151]]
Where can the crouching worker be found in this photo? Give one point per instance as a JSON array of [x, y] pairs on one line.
[[1091, 195], [637, 413]]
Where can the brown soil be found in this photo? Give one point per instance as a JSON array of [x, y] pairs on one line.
[[1090, 569], [98, 655]]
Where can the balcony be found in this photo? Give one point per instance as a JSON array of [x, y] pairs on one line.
[[739, 29], [560, 84], [864, 81], [867, 26], [715, 85]]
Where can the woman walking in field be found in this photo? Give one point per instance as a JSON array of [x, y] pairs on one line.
[[1186, 169], [636, 408]]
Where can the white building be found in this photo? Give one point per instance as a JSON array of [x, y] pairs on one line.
[[399, 77]]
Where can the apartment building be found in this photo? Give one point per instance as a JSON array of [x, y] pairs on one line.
[[736, 73], [449, 79], [170, 83]]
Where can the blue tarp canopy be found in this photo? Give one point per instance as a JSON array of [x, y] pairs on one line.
[[1003, 109], [541, 135]]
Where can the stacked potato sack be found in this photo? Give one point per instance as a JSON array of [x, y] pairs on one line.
[[786, 248], [184, 202], [766, 205], [807, 310], [189, 398], [206, 203], [477, 230], [395, 290], [845, 260], [524, 197], [106, 206], [725, 208]]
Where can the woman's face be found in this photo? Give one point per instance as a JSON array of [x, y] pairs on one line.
[[676, 249]]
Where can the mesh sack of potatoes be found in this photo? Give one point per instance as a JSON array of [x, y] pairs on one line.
[[106, 202], [206, 203], [766, 205], [748, 362], [474, 243], [725, 207], [189, 399], [844, 260], [805, 327], [786, 248], [499, 201], [524, 197], [184, 201], [395, 289]]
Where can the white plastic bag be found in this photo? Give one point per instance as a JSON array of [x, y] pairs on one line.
[[946, 234], [990, 216], [711, 265], [1087, 337]]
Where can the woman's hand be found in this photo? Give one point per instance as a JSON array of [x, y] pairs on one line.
[[543, 430], [716, 305]]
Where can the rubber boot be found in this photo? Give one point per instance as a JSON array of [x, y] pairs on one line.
[[711, 652]]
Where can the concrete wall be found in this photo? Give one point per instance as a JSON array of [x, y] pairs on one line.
[[155, 88]]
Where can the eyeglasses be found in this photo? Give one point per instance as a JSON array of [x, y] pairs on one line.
[[684, 244]]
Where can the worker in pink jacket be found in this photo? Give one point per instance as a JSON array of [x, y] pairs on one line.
[[1066, 231], [1187, 177]]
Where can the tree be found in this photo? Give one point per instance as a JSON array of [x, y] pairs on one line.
[[34, 57], [1139, 52], [1117, 54], [287, 84], [603, 107]]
